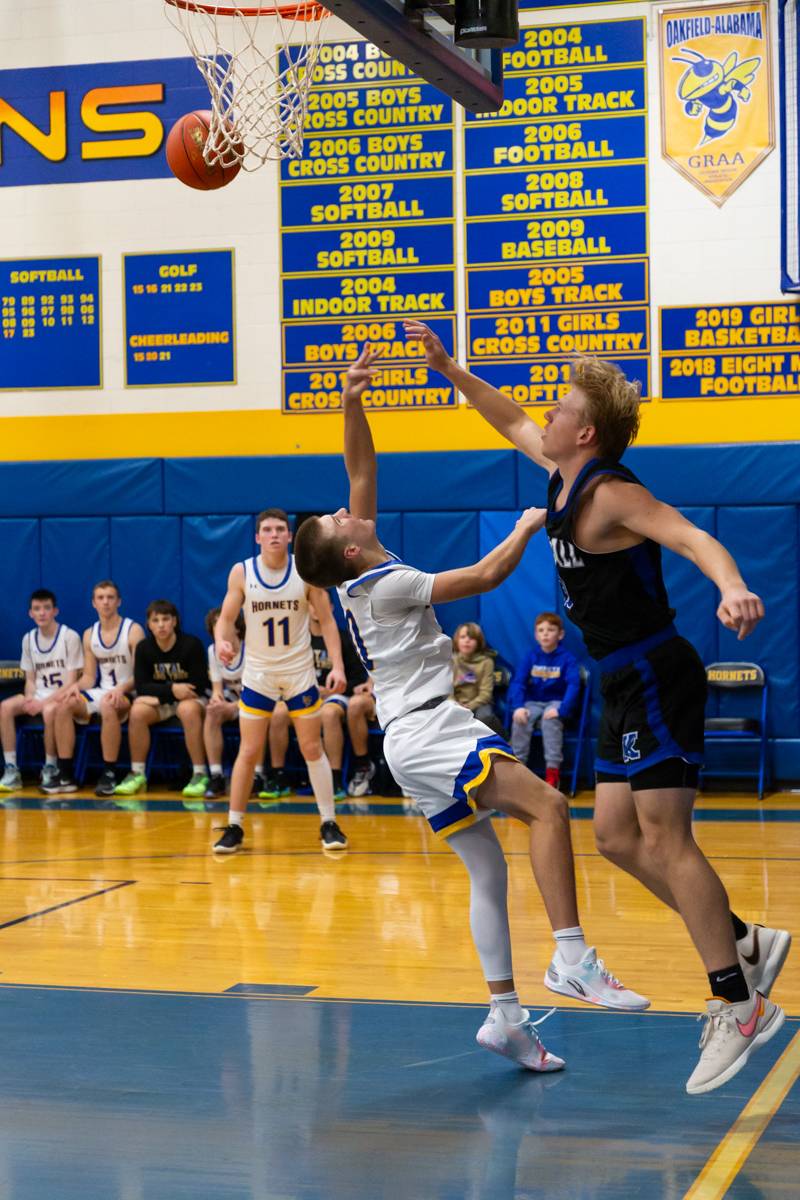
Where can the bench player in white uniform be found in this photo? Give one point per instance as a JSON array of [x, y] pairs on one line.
[[279, 665], [226, 689], [455, 767], [103, 690], [51, 659]]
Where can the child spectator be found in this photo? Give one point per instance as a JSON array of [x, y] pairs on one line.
[[223, 706], [545, 690], [473, 675]]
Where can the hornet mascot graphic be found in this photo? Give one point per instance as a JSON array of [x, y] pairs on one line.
[[715, 88]]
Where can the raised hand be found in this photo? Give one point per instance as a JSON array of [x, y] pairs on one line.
[[361, 373], [435, 354]]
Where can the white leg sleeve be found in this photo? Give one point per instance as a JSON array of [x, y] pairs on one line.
[[479, 850]]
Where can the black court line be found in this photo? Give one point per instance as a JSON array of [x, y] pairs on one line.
[[78, 900]]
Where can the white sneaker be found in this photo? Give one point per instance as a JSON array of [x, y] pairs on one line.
[[730, 1035], [521, 1043], [591, 981], [768, 950], [11, 781], [48, 776], [361, 783]]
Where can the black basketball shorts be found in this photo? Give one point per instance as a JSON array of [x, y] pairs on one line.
[[653, 717]]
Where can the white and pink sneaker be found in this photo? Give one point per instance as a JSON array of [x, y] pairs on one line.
[[591, 981], [521, 1043]]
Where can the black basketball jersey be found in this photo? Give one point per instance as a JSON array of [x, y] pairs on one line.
[[615, 599]]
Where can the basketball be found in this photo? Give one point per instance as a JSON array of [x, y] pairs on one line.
[[185, 144]]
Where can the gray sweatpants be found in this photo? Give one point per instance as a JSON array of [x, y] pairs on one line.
[[552, 734]]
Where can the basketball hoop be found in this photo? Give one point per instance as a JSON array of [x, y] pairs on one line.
[[258, 97]]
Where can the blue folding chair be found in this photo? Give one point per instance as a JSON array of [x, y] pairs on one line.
[[743, 679]]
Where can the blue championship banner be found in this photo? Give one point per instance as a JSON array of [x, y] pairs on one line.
[[367, 232], [556, 200], [730, 351], [51, 324], [179, 318]]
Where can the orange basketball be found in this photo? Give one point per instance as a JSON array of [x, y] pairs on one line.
[[185, 144]]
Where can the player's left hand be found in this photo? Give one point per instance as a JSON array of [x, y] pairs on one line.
[[549, 713], [740, 610], [361, 374], [336, 683]]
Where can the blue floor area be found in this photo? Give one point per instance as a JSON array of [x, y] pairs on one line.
[[139, 1096]]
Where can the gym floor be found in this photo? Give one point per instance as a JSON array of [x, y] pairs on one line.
[[282, 1023]]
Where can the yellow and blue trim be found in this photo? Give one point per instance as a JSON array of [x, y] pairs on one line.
[[257, 705], [477, 765]]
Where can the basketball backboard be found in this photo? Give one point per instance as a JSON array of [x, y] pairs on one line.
[[420, 34]]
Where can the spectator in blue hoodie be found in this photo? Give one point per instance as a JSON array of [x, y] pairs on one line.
[[544, 690]]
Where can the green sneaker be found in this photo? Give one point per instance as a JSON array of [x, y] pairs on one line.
[[196, 786], [274, 791], [339, 795], [131, 784]]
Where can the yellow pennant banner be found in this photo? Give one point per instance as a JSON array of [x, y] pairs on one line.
[[716, 93]]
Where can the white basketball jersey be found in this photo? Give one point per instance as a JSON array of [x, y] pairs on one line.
[[396, 633], [114, 660], [51, 660], [230, 677], [277, 637]]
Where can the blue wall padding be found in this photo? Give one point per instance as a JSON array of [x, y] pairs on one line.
[[143, 522], [246, 485], [107, 486], [76, 553], [20, 555], [692, 595], [507, 614], [390, 532], [211, 545], [439, 542], [438, 481], [764, 543], [145, 563]]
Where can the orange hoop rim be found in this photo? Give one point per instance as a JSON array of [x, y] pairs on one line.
[[295, 10]]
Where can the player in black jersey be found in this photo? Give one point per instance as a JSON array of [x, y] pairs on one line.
[[606, 531]]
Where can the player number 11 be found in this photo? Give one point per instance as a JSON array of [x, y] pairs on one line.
[[271, 624]]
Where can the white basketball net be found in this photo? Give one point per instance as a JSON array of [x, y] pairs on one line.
[[258, 96]]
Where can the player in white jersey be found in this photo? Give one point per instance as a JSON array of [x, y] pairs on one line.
[[104, 689], [226, 689], [51, 659], [456, 768], [279, 665]]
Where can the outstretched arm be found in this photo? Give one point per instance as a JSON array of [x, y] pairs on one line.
[[635, 509], [359, 448], [502, 413], [494, 567]]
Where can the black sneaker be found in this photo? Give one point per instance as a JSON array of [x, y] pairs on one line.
[[58, 783], [231, 840], [331, 836], [216, 787], [259, 783], [106, 783]]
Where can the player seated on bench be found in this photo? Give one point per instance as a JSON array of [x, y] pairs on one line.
[[103, 690], [171, 680], [51, 659], [223, 707]]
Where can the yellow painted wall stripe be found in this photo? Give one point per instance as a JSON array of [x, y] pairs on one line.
[[733, 1151], [249, 431]]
